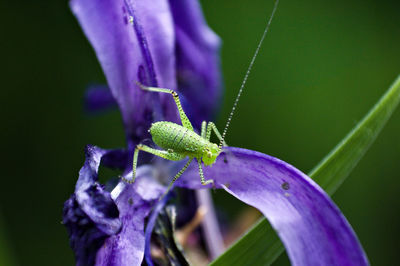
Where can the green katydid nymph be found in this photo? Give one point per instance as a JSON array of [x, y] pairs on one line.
[[181, 141]]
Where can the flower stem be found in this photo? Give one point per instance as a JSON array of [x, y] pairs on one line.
[[212, 232]]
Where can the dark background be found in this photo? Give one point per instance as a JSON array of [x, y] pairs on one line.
[[323, 66]]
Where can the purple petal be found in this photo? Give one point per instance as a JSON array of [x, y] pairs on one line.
[[197, 61], [311, 227], [134, 204], [108, 228], [98, 98], [129, 52], [90, 215]]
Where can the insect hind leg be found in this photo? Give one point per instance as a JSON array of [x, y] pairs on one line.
[[184, 119]]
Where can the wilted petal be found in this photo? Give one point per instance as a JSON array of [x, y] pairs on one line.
[[98, 98], [108, 228], [90, 215], [197, 61], [309, 224], [134, 203], [128, 52]]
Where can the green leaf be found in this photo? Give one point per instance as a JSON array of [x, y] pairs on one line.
[[260, 245]]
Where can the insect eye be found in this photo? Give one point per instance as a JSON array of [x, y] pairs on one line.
[[209, 154]]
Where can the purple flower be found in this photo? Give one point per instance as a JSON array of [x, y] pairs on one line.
[[168, 44]]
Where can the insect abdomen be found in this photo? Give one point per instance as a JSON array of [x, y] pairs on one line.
[[171, 136]]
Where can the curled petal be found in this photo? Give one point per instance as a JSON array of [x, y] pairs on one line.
[[310, 225], [197, 61], [133, 42], [90, 214], [108, 228], [134, 203]]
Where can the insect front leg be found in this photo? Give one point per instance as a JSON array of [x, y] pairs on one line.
[[203, 181], [212, 126], [172, 156], [184, 119], [203, 130]]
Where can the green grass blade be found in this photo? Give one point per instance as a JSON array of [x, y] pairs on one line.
[[336, 166], [260, 245]]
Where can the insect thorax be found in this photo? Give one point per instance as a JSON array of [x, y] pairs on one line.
[[176, 138]]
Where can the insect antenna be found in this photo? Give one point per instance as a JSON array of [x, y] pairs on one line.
[[248, 72]]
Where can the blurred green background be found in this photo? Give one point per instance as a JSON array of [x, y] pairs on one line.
[[323, 66]]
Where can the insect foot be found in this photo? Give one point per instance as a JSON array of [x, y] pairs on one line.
[[210, 181], [128, 181]]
